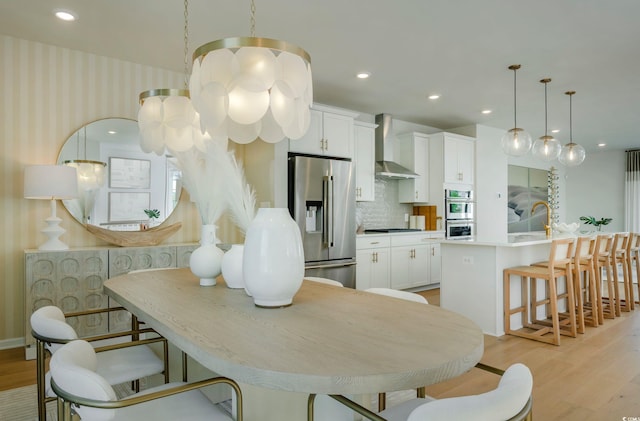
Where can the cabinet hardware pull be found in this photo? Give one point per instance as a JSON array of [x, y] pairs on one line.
[[416, 194], [375, 242]]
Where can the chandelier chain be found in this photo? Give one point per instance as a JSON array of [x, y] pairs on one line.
[[186, 43], [253, 19]]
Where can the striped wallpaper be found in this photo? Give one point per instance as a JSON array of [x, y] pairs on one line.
[[47, 93]]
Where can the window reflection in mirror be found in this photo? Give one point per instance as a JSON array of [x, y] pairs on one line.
[[132, 179]]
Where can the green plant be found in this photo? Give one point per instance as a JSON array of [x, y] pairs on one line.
[[590, 220], [152, 213]]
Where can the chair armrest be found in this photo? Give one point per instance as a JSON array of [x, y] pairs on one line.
[[135, 400], [346, 402], [112, 335]]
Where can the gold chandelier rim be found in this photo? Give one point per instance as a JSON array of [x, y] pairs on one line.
[[163, 92], [547, 137], [516, 129], [239, 42], [84, 161]]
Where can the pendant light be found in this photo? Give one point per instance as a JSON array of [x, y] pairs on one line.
[[91, 177], [572, 154], [546, 147], [248, 87], [166, 117], [516, 141]]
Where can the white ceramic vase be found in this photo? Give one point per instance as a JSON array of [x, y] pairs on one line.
[[273, 261], [232, 266], [206, 261]]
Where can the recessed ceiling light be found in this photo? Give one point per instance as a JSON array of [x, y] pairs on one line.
[[486, 111], [602, 145], [112, 132], [66, 15], [363, 75], [555, 131], [434, 96]]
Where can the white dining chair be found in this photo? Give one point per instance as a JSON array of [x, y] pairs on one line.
[[404, 295], [323, 281], [76, 381], [509, 401], [124, 359]]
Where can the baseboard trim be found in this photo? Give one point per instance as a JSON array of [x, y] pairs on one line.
[[12, 343]]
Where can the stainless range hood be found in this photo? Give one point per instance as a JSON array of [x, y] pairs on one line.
[[385, 165]]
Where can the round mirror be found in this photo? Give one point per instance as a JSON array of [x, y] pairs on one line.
[[121, 188]]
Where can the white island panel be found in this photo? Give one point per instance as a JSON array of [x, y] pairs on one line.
[[472, 277]]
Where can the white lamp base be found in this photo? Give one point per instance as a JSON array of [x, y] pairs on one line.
[[53, 231]]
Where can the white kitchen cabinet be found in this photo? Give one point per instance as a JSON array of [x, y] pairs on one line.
[[373, 258], [413, 153], [330, 133], [364, 159], [458, 159], [410, 266]]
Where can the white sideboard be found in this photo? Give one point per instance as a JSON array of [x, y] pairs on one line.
[[72, 280]]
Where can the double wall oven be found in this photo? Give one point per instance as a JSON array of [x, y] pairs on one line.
[[459, 214]]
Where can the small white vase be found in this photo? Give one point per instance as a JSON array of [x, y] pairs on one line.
[[232, 266], [273, 261], [206, 261]]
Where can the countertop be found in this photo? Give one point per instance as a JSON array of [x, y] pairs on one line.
[[439, 232], [513, 240]]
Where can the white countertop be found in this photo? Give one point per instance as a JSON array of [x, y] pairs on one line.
[[513, 240], [439, 232]]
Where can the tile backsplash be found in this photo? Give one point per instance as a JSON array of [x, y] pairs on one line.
[[385, 211]]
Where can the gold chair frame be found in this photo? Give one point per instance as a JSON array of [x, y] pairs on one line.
[[135, 332], [525, 414]]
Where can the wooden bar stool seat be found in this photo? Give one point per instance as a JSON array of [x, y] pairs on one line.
[[602, 261], [553, 323]]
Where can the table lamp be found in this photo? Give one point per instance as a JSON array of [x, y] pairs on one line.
[[51, 182]]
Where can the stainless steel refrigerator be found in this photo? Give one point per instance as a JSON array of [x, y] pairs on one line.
[[322, 202]]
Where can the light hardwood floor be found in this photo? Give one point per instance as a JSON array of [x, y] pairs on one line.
[[595, 377]]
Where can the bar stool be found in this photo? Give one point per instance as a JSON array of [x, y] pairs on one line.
[[619, 257], [633, 256], [559, 265], [585, 281], [602, 261]]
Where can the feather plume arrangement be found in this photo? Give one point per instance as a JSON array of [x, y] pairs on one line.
[[241, 196], [203, 176]]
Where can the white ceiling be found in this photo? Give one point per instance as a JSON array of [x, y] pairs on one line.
[[458, 48]]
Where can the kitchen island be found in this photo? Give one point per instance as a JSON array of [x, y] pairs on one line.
[[472, 282]]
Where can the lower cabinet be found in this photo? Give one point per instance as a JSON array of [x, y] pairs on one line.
[[398, 261], [372, 257]]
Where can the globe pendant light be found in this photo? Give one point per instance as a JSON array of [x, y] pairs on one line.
[[546, 147], [516, 141], [572, 154], [248, 87], [166, 117]]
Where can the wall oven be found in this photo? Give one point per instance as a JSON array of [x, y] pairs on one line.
[[460, 229], [459, 214]]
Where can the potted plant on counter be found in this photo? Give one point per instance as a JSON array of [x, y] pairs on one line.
[[598, 223]]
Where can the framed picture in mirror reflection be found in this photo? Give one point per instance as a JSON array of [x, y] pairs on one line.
[[128, 206], [128, 173]]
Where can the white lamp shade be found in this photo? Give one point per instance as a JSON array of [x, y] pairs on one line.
[[50, 182]]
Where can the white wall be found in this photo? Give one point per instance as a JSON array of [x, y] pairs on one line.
[[596, 188]]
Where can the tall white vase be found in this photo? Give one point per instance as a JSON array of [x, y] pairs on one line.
[[206, 261], [232, 266], [273, 261]]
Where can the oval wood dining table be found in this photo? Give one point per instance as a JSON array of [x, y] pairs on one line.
[[331, 340]]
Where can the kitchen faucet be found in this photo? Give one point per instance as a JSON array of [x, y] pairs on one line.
[[547, 227]]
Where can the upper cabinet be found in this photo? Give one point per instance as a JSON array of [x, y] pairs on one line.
[[330, 133], [413, 152], [458, 159], [364, 158]]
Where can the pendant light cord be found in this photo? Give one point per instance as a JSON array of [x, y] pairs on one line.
[[186, 44], [546, 132], [515, 113]]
